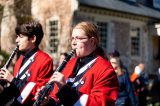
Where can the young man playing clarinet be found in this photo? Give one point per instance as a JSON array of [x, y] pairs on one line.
[[32, 70]]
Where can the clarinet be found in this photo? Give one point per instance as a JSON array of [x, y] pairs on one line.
[[2, 82], [49, 86], [11, 57]]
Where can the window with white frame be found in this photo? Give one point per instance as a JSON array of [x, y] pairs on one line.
[[135, 41], [53, 36], [103, 28]]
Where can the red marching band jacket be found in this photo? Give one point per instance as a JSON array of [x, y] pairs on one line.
[[39, 73], [99, 85]]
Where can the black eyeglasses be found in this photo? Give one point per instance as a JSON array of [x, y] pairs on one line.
[[78, 39]]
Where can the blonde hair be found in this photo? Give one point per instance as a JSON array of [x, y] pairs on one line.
[[90, 29]]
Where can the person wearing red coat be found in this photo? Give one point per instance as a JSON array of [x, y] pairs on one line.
[[88, 79], [32, 70]]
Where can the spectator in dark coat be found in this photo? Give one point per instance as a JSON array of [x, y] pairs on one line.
[[126, 95]]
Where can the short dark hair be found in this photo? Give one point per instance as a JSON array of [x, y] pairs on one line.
[[114, 54], [30, 29]]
